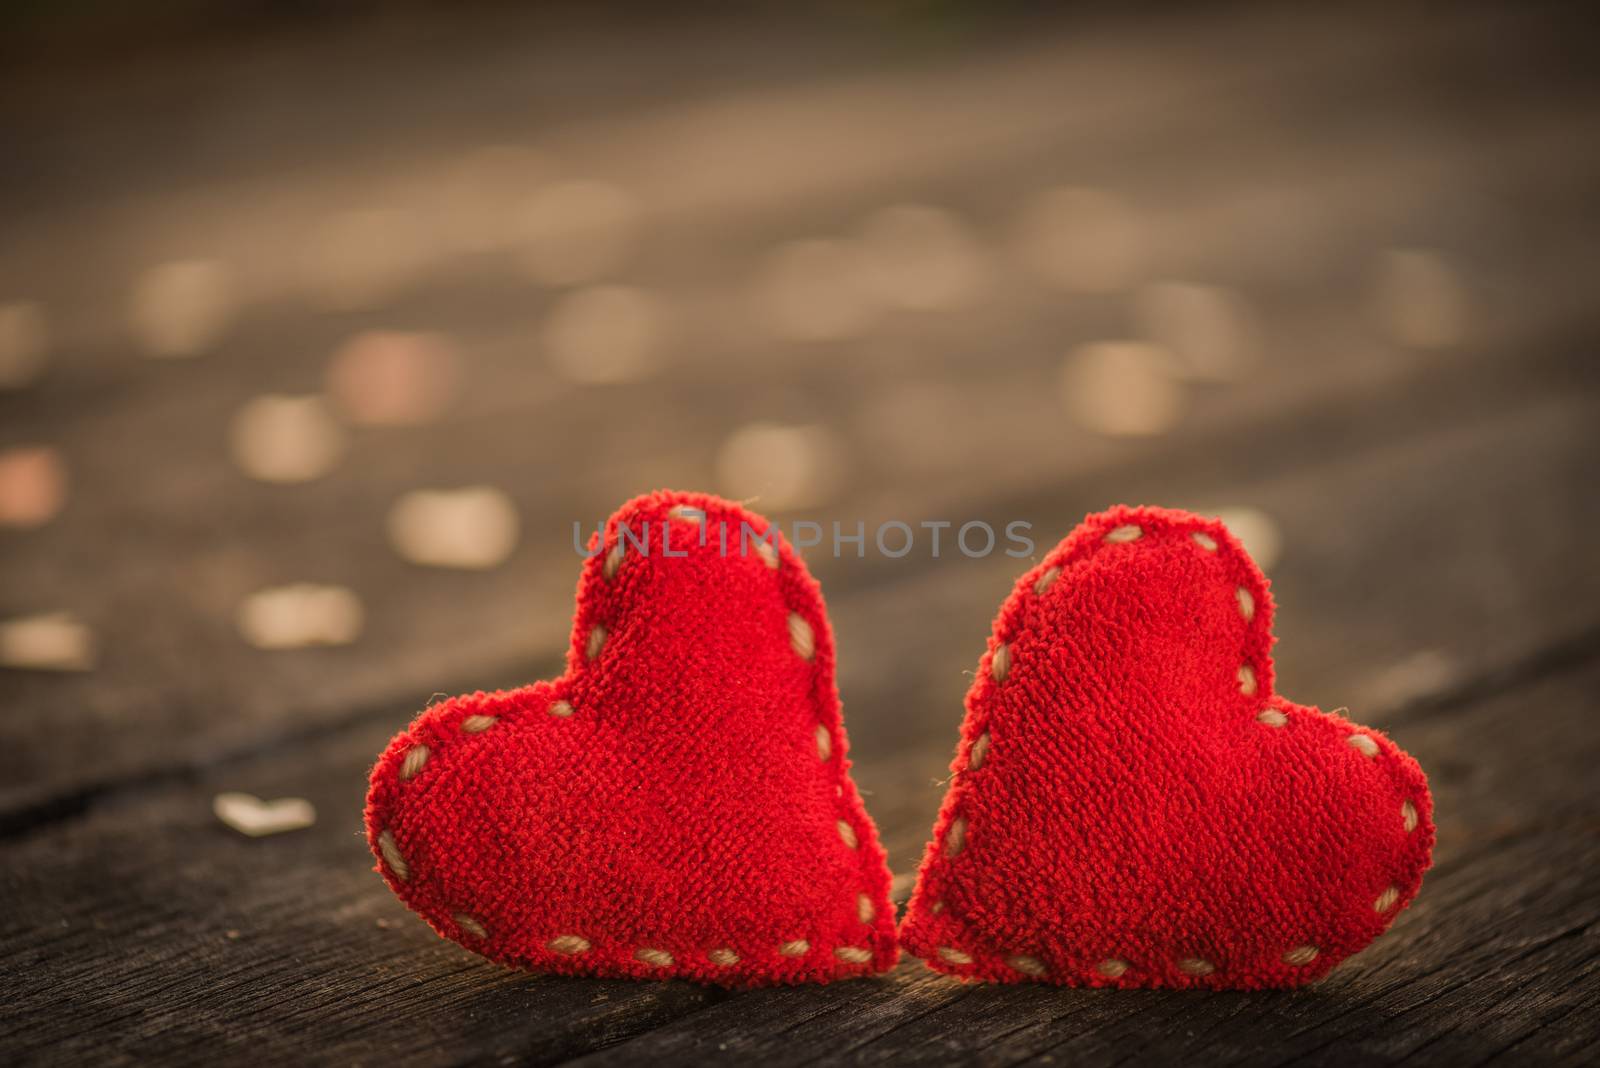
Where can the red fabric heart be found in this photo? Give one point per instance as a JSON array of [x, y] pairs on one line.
[[677, 804], [1133, 805]]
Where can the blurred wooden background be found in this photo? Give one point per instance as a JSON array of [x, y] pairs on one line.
[[316, 337]]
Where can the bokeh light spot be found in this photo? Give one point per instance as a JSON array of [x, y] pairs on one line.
[[1122, 388], [300, 615], [475, 527], [393, 377], [182, 308], [281, 438], [781, 466], [50, 641], [605, 334], [33, 485], [1209, 329]]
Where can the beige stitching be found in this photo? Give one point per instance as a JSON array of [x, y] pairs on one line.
[[979, 752], [768, 554], [1196, 966], [1247, 603], [1300, 956], [1271, 717], [824, 743], [1408, 816], [798, 948], [613, 561], [469, 925], [1247, 679], [477, 724], [955, 839], [687, 514], [1000, 666], [847, 834], [801, 636], [853, 954], [953, 955], [416, 756], [560, 708], [864, 909], [568, 944], [597, 640], [724, 957], [1131, 532], [1364, 744], [659, 958], [1026, 965], [1045, 581], [1386, 900], [1112, 968], [1205, 541], [392, 856]]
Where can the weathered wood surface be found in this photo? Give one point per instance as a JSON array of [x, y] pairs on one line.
[[1436, 506]]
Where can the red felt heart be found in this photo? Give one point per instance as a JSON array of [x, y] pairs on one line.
[[1134, 806], [677, 804]]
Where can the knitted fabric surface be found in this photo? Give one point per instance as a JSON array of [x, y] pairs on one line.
[[677, 804], [1133, 805]]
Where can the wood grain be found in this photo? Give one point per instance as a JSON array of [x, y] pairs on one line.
[[1435, 505]]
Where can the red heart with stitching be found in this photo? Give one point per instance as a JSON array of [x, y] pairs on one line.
[[677, 804], [1134, 806]]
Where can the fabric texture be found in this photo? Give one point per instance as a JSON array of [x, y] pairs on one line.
[[1132, 803], [677, 804]]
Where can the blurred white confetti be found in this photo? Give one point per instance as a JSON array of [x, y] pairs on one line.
[[604, 334], [577, 231], [1080, 240], [1420, 301], [816, 290], [248, 814], [920, 257], [1257, 531], [51, 641], [181, 308], [1209, 329], [475, 527], [360, 259], [33, 485], [282, 438], [781, 466], [300, 615], [1122, 388], [24, 343], [393, 377]]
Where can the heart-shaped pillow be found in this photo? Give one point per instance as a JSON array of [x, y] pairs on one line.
[[677, 804], [1132, 803]]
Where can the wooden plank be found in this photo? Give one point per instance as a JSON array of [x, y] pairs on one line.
[[145, 930], [177, 686], [1339, 526], [1500, 947]]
